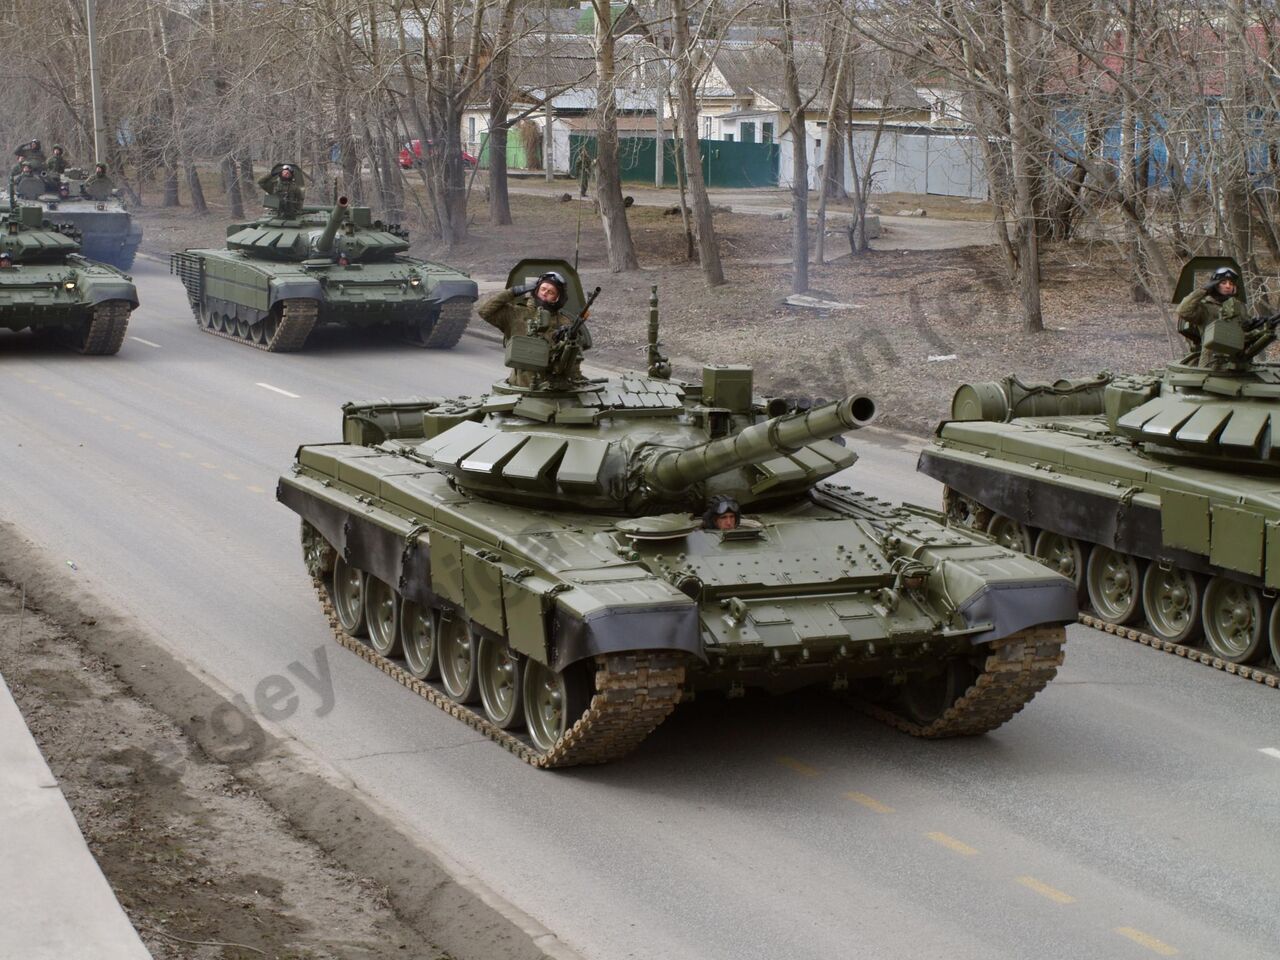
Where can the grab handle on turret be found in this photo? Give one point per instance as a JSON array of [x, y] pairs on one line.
[[673, 471], [324, 243]]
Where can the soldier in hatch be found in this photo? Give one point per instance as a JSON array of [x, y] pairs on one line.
[[723, 513], [57, 164], [99, 186], [28, 185], [285, 182], [1217, 301], [533, 310]]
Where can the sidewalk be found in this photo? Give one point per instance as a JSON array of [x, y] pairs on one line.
[[55, 904], [900, 233]]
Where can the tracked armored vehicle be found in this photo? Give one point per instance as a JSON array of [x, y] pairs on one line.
[[48, 287], [541, 552], [282, 275], [108, 232], [1155, 494]]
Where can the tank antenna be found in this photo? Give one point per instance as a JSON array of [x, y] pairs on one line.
[[659, 366]]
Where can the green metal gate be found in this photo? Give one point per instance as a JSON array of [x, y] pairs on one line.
[[724, 163]]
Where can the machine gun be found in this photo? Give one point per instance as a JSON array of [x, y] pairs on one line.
[[568, 346]]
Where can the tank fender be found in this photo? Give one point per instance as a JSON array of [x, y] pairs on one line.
[[454, 290], [296, 288], [669, 626], [114, 288], [1013, 606]]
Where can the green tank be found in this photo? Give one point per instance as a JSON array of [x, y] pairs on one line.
[[1156, 494], [51, 289], [108, 232], [282, 275], [540, 562]]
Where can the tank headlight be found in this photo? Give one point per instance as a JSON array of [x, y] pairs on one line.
[[69, 285], [415, 281]]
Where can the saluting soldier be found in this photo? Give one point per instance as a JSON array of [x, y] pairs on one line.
[[32, 153], [1215, 302], [532, 310], [285, 182]]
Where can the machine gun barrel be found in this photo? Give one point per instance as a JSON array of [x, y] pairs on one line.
[[324, 243], [676, 470]]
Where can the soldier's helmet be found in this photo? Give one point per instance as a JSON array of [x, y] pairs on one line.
[[561, 285], [26, 168], [35, 144], [6, 258], [57, 149], [717, 507], [1224, 273], [286, 172], [100, 168]]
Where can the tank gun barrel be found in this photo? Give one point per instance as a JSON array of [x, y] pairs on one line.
[[324, 243], [676, 470]]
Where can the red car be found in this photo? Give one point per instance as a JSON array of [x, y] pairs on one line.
[[408, 159]]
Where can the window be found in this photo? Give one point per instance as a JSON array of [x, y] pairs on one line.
[[766, 132], [471, 129], [706, 128], [747, 131], [729, 137]]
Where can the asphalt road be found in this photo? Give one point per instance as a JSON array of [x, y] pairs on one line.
[[1129, 811]]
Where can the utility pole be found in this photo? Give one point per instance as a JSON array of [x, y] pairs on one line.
[[659, 96], [95, 94]]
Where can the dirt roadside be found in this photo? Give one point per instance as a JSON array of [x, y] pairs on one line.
[[220, 839], [915, 323]]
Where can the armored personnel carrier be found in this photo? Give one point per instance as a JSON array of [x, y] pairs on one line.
[[282, 275], [542, 552], [47, 286], [108, 232], [1155, 494]]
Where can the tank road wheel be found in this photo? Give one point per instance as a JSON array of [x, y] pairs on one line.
[[1273, 632], [270, 324], [457, 652], [316, 552], [962, 511], [382, 615], [1009, 533], [1114, 582], [1171, 600], [225, 324], [553, 702], [257, 332], [498, 669], [926, 697], [1062, 555], [418, 632], [242, 328], [348, 597], [1235, 622]]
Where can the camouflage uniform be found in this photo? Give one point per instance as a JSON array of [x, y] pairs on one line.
[[57, 164], [514, 313], [290, 192], [98, 186], [1196, 311], [26, 154]]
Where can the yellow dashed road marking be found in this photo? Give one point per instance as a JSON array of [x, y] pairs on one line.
[[184, 455], [145, 436], [252, 489], [108, 418], [164, 446], [1148, 941], [869, 802], [1057, 896], [230, 476], [951, 843], [209, 466], [791, 763]]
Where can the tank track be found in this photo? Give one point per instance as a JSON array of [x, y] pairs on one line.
[[1261, 675], [1019, 667], [450, 324], [297, 319], [106, 330], [633, 694]]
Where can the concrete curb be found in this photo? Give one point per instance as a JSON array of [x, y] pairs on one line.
[[57, 903]]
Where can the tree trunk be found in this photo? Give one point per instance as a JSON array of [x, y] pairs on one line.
[[198, 203], [799, 155], [499, 107], [613, 215], [235, 204], [703, 224], [831, 152], [691, 253], [1020, 147]]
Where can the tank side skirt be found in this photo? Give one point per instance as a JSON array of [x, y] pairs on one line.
[[383, 553], [1010, 607], [1089, 517]]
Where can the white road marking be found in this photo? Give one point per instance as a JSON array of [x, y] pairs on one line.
[[147, 342], [286, 393], [1270, 752]]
